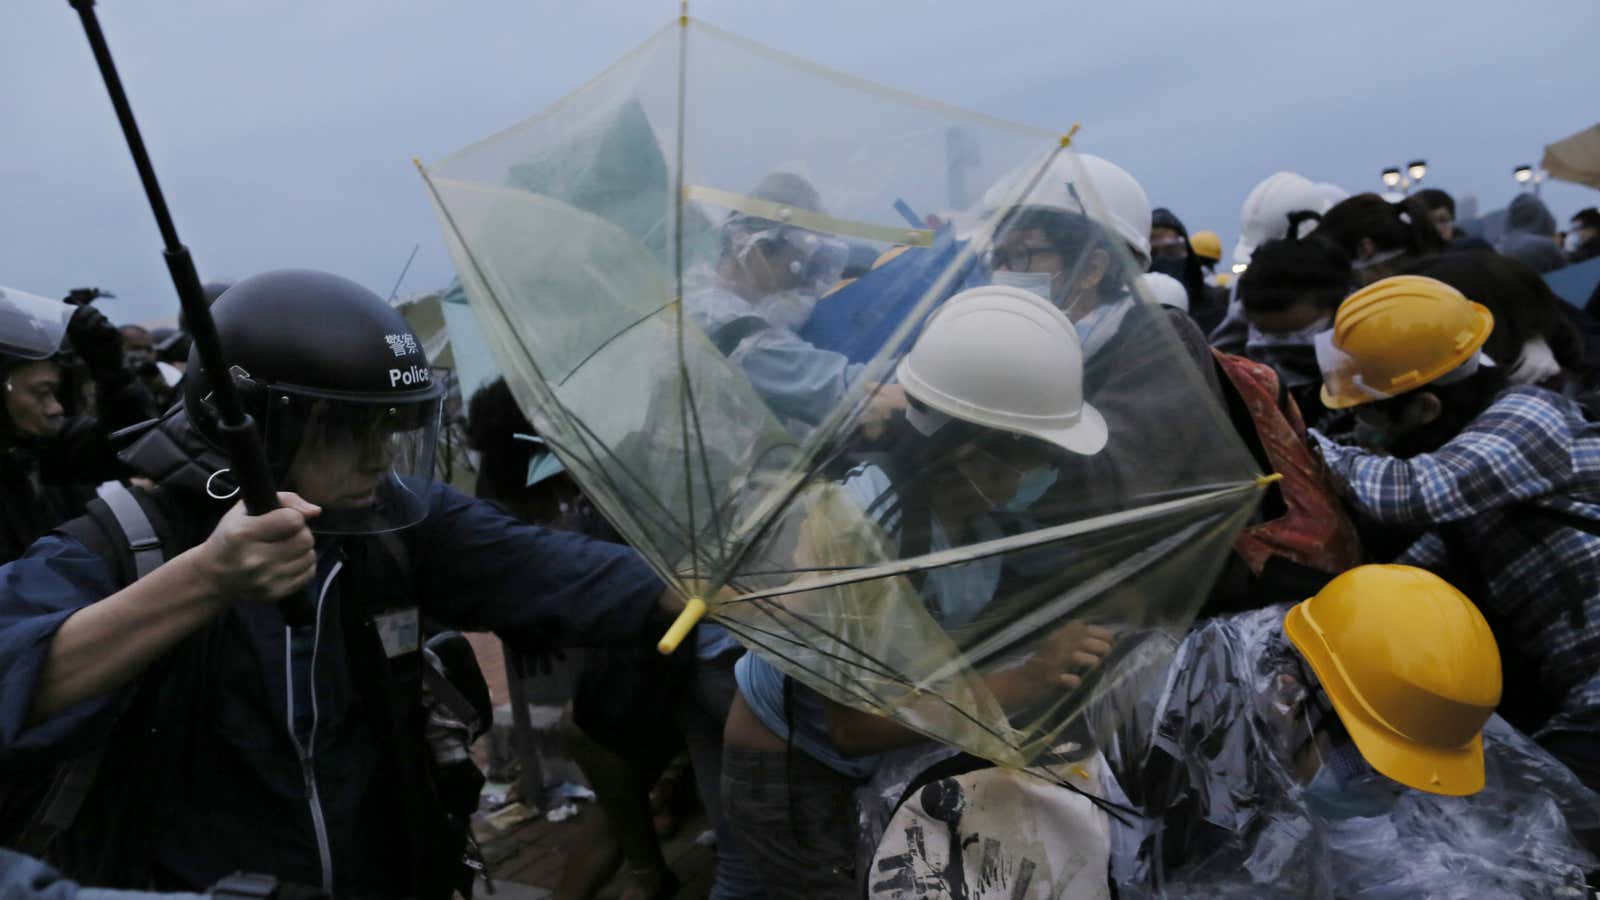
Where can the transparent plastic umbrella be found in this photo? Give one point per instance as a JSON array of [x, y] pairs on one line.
[[699, 274]]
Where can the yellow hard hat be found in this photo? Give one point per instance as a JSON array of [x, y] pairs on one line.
[[1206, 244], [1411, 668], [1397, 335]]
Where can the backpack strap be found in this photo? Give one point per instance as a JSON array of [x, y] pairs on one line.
[[138, 532], [117, 527]]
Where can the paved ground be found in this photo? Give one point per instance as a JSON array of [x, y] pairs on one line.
[[526, 858], [529, 857]]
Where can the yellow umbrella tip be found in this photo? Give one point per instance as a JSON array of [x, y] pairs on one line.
[[692, 612]]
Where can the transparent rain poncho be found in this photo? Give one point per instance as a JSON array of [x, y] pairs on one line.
[[1209, 761], [650, 262]]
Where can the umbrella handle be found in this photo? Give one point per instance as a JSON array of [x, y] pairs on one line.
[[692, 613]]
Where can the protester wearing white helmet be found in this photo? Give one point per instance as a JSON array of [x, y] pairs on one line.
[[995, 389], [1265, 214], [1058, 235], [1056, 238], [1264, 217], [1166, 290]]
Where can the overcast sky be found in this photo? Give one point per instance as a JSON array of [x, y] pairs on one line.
[[283, 131]]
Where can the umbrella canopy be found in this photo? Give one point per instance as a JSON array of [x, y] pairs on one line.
[[1575, 158], [645, 259]]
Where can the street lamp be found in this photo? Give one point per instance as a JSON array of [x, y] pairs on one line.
[[1526, 175], [1404, 179]]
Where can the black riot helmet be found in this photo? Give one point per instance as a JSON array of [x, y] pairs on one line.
[[340, 389]]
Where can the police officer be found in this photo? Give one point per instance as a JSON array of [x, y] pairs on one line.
[[233, 741], [50, 461]]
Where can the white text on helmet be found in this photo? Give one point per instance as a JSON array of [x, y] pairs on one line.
[[410, 376]]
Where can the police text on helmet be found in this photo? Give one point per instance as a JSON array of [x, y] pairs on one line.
[[414, 375]]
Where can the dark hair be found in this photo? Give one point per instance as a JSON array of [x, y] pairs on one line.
[[1390, 226], [1286, 271], [493, 417], [1460, 403], [1587, 218], [1523, 305], [1433, 199], [1072, 236]]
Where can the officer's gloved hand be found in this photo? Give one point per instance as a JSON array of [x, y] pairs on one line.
[[97, 341]]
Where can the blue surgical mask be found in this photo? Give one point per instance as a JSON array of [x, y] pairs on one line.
[[1347, 788], [1031, 488], [1038, 283]]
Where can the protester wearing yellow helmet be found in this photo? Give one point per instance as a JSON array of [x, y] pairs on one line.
[[1346, 746], [1207, 245], [1501, 485], [1410, 668]]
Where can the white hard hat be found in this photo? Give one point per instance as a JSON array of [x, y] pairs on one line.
[[1070, 183], [1265, 215], [1331, 194], [1166, 290], [1003, 358]]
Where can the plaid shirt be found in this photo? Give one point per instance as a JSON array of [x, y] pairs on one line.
[[1487, 492]]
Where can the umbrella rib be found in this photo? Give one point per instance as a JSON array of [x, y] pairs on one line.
[[684, 398], [888, 675], [998, 546], [610, 340]]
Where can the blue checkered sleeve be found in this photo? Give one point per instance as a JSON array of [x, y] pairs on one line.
[[1518, 449]]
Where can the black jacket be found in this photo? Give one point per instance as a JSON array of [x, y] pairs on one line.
[[43, 483]]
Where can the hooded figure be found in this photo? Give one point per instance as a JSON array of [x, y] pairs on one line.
[[1530, 235], [1180, 262]]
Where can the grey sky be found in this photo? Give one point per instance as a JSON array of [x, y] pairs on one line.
[[283, 131]]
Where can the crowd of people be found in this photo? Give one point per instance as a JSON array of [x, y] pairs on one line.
[[1392, 689]]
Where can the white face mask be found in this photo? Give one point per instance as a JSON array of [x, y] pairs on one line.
[[1303, 337], [1038, 283], [1572, 241]]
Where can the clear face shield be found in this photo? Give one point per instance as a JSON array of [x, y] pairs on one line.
[[796, 259], [368, 463], [32, 327], [1343, 375]]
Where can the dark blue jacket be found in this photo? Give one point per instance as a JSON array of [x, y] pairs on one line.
[[240, 797], [25, 878]]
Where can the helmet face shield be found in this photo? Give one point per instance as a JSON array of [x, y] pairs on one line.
[[368, 463], [808, 260], [31, 326]]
